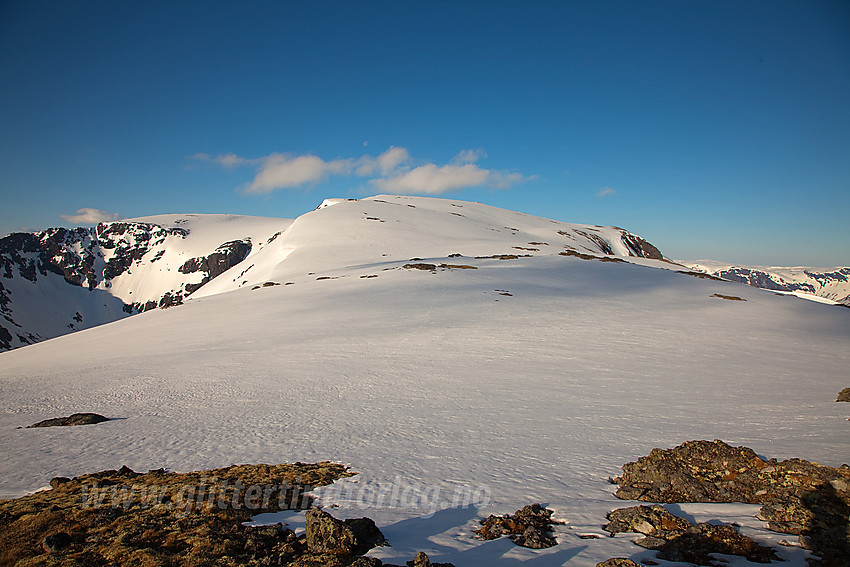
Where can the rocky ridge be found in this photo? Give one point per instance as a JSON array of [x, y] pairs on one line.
[[35, 265]]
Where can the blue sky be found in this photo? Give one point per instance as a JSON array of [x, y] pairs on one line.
[[714, 129]]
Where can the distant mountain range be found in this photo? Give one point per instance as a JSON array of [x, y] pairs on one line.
[[831, 284], [62, 280]]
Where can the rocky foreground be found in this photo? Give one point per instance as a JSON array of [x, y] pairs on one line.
[[798, 497], [121, 517]]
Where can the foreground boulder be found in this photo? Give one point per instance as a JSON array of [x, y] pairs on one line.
[[73, 419], [529, 527], [676, 539], [843, 395], [798, 497]]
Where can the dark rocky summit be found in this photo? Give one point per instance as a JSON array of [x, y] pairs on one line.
[[676, 539], [529, 527], [798, 497], [74, 419]]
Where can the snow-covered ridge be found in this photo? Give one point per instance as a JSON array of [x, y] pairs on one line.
[[59, 280], [62, 280], [831, 285]]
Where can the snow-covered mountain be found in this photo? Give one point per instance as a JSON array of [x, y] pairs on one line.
[[62, 280], [441, 348], [831, 284]]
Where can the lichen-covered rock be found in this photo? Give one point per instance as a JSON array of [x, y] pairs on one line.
[[798, 497], [529, 527], [644, 520], [618, 562], [121, 517], [676, 539], [328, 536]]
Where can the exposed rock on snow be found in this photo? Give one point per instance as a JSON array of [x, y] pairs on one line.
[[729, 297], [677, 539], [618, 562], [843, 395], [74, 419], [798, 497], [529, 527]]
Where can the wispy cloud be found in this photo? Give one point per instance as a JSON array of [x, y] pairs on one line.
[[606, 192], [228, 161], [91, 216], [393, 171]]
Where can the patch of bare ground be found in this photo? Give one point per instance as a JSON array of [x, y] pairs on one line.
[[503, 257], [701, 275], [71, 420], [728, 297], [590, 256]]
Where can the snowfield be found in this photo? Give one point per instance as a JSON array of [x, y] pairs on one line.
[[522, 380]]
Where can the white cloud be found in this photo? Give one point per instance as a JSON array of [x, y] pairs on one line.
[[432, 179], [91, 216], [606, 191], [393, 171], [385, 164], [280, 171]]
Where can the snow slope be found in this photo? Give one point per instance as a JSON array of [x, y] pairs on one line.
[[525, 380]]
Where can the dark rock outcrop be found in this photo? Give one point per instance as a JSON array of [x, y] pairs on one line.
[[843, 395], [225, 257], [529, 527], [74, 419], [676, 539], [798, 497], [640, 248]]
